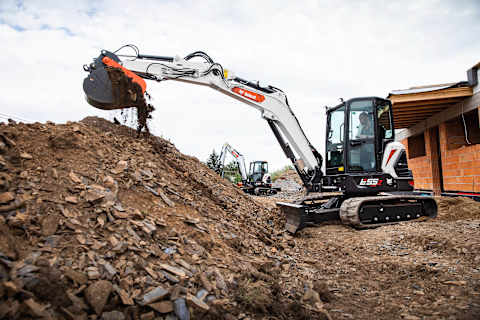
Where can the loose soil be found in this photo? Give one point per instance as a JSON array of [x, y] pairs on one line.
[[95, 222]]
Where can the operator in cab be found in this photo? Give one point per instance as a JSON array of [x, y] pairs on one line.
[[365, 129]]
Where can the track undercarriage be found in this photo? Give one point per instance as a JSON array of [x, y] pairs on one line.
[[359, 212]]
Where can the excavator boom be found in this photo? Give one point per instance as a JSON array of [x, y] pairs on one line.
[[116, 81]]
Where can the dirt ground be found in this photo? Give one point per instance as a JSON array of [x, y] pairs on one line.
[[97, 224]]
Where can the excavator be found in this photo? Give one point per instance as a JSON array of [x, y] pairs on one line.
[[365, 181], [258, 181]]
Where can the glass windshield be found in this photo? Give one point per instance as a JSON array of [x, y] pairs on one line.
[[361, 120], [336, 125], [260, 167], [361, 148]]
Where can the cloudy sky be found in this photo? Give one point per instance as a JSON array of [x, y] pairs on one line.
[[315, 51]]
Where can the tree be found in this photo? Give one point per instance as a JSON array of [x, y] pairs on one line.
[[231, 172], [213, 161]]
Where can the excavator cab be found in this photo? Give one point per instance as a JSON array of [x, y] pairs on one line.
[[357, 133], [257, 171]]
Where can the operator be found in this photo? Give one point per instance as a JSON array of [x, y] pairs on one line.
[[366, 127]]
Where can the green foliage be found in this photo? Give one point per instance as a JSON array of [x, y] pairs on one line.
[[213, 161], [279, 172], [232, 173]]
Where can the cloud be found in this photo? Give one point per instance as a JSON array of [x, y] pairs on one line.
[[316, 52]]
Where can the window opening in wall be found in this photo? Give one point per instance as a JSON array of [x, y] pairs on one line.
[[416, 146], [463, 130]]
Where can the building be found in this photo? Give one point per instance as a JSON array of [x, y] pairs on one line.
[[441, 133]]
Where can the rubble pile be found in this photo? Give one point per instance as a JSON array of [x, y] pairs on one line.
[[290, 184], [98, 224]]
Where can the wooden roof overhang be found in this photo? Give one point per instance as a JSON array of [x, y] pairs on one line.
[[417, 104]]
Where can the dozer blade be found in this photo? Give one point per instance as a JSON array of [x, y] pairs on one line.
[[110, 86], [299, 216]]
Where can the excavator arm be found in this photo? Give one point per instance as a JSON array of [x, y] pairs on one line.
[[116, 81], [239, 159]]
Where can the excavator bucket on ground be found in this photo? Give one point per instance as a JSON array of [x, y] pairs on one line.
[[110, 86]]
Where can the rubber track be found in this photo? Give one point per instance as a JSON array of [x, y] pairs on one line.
[[349, 210]]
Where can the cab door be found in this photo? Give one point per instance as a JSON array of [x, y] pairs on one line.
[[335, 140], [360, 140]]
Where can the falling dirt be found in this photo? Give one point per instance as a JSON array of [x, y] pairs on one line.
[[101, 224], [129, 94]]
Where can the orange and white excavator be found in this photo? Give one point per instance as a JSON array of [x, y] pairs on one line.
[[365, 181]]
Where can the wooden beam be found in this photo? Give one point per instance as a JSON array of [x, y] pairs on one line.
[[412, 112], [432, 95], [468, 104], [426, 102], [434, 159], [435, 107]]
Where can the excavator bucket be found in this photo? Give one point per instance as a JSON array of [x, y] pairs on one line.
[[110, 86]]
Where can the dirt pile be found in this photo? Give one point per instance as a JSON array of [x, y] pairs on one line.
[[97, 223], [457, 208]]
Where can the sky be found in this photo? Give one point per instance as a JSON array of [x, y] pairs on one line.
[[315, 51]]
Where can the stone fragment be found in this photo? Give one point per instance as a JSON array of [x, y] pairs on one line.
[[93, 273], [49, 225], [6, 197], [194, 301], [94, 196], [26, 156], [165, 198], [97, 295], [184, 264], [113, 315], [170, 277], [35, 309], [126, 299], [109, 268], [152, 296], [148, 316], [181, 310], [176, 271], [206, 283], [71, 199], [121, 166], [74, 177], [202, 294], [162, 307]]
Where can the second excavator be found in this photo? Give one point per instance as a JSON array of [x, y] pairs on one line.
[[257, 181], [365, 180]]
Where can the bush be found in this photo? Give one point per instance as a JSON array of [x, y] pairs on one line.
[[276, 174]]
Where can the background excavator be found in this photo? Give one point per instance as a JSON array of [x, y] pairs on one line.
[[365, 182], [257, 181]]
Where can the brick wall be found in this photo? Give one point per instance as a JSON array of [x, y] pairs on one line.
[[421, 169], [460, 166]]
